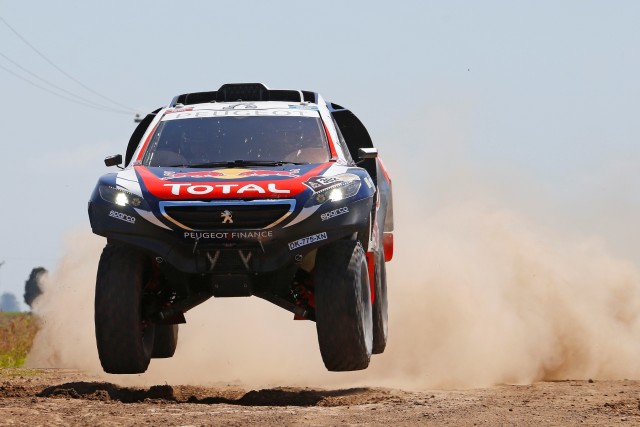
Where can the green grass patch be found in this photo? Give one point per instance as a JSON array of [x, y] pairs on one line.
[[17, 331], [22, 372]]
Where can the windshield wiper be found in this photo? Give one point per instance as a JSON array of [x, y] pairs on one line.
[[266, 163], [235, 163], [209, 165]]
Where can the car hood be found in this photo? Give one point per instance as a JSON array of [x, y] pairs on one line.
[[250, 182]]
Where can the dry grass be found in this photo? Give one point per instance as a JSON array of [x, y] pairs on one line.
[[17, 331]]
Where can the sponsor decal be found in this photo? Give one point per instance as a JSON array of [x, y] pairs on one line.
[[307, 240], [178, 110], [322, 183], [256, 185], [231, 173], [296, 112], [241, 105], [304, 107], [319, 183], [228, 235], [227, 217], [334, 213], [202, 189], [122, 217]]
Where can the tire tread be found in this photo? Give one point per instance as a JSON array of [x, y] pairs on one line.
[[345, 344], [119, 334]]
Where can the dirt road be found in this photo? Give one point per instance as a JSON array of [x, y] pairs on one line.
[[64, 397]]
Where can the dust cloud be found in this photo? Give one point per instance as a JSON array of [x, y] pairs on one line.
[[65, 308], [484, 291], [485, 287], [484, 297], [478, 296]]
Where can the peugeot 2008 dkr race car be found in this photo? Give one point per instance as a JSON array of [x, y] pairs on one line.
[[237, 192]]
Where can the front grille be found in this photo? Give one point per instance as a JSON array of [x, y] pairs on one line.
[[227, 215]]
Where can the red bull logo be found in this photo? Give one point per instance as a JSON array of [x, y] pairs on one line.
[[231, 173]]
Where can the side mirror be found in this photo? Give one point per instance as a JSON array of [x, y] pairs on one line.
[[367, 153], [113, 160]]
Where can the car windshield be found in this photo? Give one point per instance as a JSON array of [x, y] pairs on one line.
[[212, 141]]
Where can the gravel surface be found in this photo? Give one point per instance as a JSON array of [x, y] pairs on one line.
[[64, 397]]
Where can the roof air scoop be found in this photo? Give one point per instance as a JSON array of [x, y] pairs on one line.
[[233, 92]]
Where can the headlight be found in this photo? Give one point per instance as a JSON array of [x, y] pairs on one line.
[[345, 191], [121, 197], [332, 188]]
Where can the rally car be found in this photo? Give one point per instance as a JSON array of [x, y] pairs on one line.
[[237, 192]]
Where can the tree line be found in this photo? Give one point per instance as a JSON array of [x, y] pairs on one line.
[[32, 290]]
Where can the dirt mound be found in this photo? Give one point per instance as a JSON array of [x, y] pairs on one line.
[[106, 391], [103, 391]]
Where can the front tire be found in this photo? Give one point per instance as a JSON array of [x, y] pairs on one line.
[[343, 306], [124, 339]]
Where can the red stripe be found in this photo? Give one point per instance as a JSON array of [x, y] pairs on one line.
[[387, 242], [371, 257], [144, 147], [332, 147], [384, 170]]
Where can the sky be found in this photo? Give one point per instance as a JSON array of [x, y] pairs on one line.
[[533, 104]]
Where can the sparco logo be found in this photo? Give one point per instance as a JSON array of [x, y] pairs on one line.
[[122, 217], [334, 213]]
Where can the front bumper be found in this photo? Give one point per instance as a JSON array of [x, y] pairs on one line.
[[230, 250]]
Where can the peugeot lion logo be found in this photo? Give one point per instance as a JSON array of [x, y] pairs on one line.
[[226, 217]]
